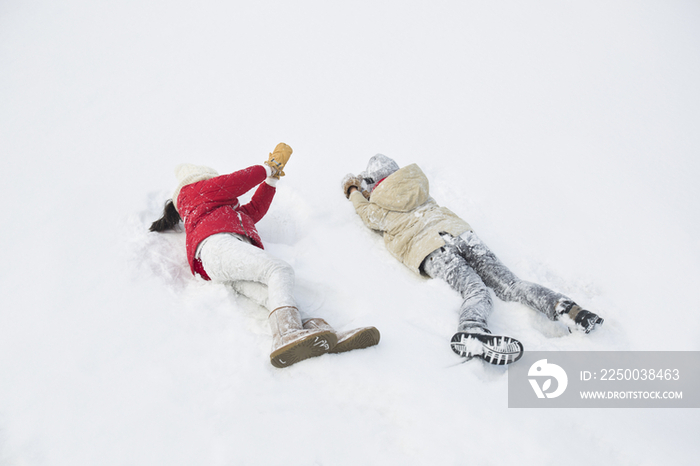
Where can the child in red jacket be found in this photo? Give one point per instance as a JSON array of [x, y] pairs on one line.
[[223, 245]]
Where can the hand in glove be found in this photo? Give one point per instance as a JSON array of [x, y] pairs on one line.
[[352, 181], [278, 159]]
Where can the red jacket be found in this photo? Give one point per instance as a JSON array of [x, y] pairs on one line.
[[211, 206]]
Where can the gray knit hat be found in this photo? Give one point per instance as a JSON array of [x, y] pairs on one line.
[[379, 167]]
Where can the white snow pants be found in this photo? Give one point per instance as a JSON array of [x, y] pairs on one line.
[[228, 258]]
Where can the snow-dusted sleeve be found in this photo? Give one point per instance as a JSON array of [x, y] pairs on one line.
[[233, 185], [370, 213], [260, 202]]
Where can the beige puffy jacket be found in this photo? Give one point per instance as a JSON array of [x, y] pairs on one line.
[[411, 221]]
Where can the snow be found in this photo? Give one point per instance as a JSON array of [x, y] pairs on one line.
[[565, 133]]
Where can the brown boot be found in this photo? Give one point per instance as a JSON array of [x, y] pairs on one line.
[[292, 343], [352, 339]]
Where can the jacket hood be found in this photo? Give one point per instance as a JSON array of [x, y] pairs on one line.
[[403, 190]]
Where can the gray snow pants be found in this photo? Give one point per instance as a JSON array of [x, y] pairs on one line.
[[469, 267]]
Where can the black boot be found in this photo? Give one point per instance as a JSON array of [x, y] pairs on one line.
[[494, 349], [575, 317]]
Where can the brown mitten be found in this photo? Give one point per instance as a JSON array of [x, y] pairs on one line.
[[278, 159], [351, 181]]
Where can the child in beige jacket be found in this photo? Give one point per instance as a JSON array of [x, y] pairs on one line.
[[433, 241]]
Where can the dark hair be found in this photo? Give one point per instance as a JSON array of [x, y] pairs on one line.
[[170, 218]]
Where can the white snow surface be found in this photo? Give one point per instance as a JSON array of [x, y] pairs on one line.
[[565, 133]]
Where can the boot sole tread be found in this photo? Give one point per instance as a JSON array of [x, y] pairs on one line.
[[497, 350], [362, 339], [310, 346]]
